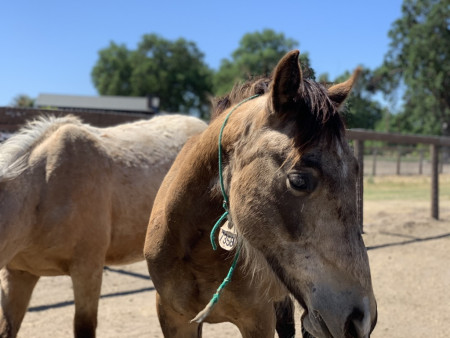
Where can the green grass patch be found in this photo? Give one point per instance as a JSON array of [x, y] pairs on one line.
[[413, 188]]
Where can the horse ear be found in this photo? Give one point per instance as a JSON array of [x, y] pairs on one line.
[[339, 92], [286, 80]]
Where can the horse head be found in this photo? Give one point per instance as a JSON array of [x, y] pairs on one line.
[[291, 182]]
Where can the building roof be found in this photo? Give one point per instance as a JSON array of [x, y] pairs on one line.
[[115, 103]]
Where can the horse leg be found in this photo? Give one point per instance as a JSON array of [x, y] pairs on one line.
[[174, 324], [16, 288], [285, 318], [258, 322], [87, 284]]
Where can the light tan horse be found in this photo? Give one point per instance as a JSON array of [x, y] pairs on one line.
[[74, 198], [290, 178]]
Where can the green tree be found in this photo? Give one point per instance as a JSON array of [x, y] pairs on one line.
[[22, 101], [361, 110], [257, 55], [172, 70], [112, 72], [418, 62]]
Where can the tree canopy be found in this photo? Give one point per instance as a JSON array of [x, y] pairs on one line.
[[172, 70], [257, 55], [361, 110], [418, 62], [22, 101], [111, 74]]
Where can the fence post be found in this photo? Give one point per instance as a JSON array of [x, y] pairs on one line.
[[421, 162], [374, 164], [435, 181], [359, 154], [399, 156]]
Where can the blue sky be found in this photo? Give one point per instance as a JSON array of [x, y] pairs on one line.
[[51, 46]]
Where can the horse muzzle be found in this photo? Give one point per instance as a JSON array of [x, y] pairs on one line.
[[357, 322]]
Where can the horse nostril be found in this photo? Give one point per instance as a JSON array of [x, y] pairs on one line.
[[354, 326]]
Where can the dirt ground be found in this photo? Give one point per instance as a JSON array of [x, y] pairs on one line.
[[410, 261]]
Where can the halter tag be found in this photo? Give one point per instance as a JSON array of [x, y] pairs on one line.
[[227, 237]]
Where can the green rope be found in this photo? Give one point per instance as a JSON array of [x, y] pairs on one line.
[[214, 229], [222, 187], [227, 279], [215, 298]]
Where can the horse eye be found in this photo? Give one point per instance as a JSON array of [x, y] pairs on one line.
[[300, 182]]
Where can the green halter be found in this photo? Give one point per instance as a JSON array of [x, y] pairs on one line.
[[206, 311]]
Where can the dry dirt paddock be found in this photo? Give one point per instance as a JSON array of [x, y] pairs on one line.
[[409, 256]]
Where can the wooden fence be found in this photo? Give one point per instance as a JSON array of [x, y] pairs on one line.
[[399, 160], [359, 136], [12, 118]]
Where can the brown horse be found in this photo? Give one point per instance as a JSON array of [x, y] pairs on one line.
[[74, 198], [290, 178]]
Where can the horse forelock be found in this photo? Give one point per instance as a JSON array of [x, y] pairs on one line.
[[14, 152], [318, 117]]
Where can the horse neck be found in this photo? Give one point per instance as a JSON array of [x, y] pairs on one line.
[[198, 175]]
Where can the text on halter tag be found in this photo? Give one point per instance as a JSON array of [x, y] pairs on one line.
[[227, 237]]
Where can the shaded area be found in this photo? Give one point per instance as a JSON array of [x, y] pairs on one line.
[[146, 277], [71, 302], [414, 240], [397, 234], [128, 273]]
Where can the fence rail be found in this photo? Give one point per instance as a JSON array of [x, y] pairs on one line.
[[12, 118], [369, 135], [401, 160], [360, 136]]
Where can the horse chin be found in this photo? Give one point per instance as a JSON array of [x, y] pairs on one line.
[[314, 327]]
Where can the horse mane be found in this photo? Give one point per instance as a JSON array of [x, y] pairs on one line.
[[15, 151], [239, 92], [321, 117]]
